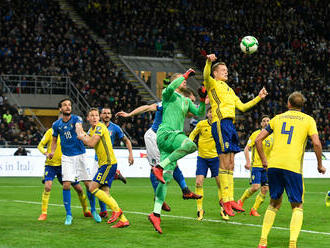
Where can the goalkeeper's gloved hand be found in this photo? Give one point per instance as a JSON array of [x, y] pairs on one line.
[[202, 93], [188, 73]]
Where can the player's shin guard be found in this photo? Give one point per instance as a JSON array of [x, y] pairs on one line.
[[91, 199], [186, 147], [161, 192], [259, 200], [231, 185], [267, 224], [83, 201], [295, 226], [44, 201], [199, 191], [223, 177], [67, 201], [109, 200]]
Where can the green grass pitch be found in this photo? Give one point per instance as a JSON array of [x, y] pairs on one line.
[[20, 200]]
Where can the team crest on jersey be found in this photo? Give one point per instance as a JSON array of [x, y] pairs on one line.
[[226, 145]]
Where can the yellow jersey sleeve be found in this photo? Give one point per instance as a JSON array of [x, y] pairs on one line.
[[267, 146], [195, 132], [44, 141], [245, 106], [209, 81], [47, 141], [252, 138]]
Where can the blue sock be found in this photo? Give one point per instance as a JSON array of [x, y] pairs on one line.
[[103, 206], [67, 201], [91, 199], [154, 181], [177, 175]]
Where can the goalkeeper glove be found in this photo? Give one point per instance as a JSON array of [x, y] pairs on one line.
[[188, 73], [202, 93]]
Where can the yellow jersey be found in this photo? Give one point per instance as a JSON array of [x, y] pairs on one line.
[[47, 141], [206, 144], [267, 145], [290, 131], [103, 148], [223, 99]]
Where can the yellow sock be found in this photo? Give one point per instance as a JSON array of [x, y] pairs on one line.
[[246, 195], [199, 191], [123, 218], [44, 202], [267, 224], [231, 185], [83, 201], [219, 193], [295, 226], [111, 203], [223, 177], [259, 200]]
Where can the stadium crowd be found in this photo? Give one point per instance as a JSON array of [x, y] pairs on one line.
[[36, 38], [293, 52]]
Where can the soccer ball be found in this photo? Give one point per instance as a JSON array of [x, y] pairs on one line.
[[249, 44]]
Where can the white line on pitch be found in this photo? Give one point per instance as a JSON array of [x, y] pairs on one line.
[[182, 217]]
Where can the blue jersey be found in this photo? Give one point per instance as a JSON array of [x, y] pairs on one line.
[[115, 131], [70, 144], [158, 117]]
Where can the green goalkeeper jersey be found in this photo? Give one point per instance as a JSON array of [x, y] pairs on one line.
[[176, 107]]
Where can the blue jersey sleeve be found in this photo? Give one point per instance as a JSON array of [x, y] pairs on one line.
[[55, 130], [120, 132], [78, 119], [159, 106]]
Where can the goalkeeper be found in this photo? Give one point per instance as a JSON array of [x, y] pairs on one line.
[[173, 144]]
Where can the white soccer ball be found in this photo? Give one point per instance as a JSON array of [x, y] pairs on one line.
[[249, 44]]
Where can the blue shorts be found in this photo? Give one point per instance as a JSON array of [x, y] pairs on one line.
[[259, 176], [292, 182], [52, 171], [225, 136], [105, 174], [203, 164]]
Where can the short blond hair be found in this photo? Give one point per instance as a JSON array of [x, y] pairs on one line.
[[297, 100], [215, 66], [93, 109]]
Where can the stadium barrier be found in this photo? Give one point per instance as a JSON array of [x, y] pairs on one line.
[[32, 165]]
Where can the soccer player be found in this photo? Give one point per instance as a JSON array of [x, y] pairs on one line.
[[153, 155], [173, 144], [74, 164], [115, 132], [207, 159], [327, 199], [258, 173], [285, 168], [53, 168], [224, 102], [99, 138]]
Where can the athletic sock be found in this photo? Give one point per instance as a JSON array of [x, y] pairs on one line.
[[67, 201], [178, 177], [259, 200], [295, 226], [83, 201], [246, 195], [91, 199], [161, 192], [109, 200], [267, 224], [103, 206], [223, 177], [230, 185], [199, 191], [154, 181], [44, 201]]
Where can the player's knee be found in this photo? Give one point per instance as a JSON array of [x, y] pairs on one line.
[[255, 187], [48, 188], [191, 146], [66, 185]]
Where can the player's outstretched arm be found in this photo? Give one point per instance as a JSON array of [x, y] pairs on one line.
[[207, 70], [260, 138], [128, 144], [247, 157], [89, 141], [318, 152], [246, 106], [139, 110]]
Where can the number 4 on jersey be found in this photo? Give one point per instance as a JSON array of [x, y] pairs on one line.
[[290, 132]]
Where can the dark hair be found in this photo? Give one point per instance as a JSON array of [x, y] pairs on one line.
[[208, 109], [264, 116], [63, 100], [297, 100]]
